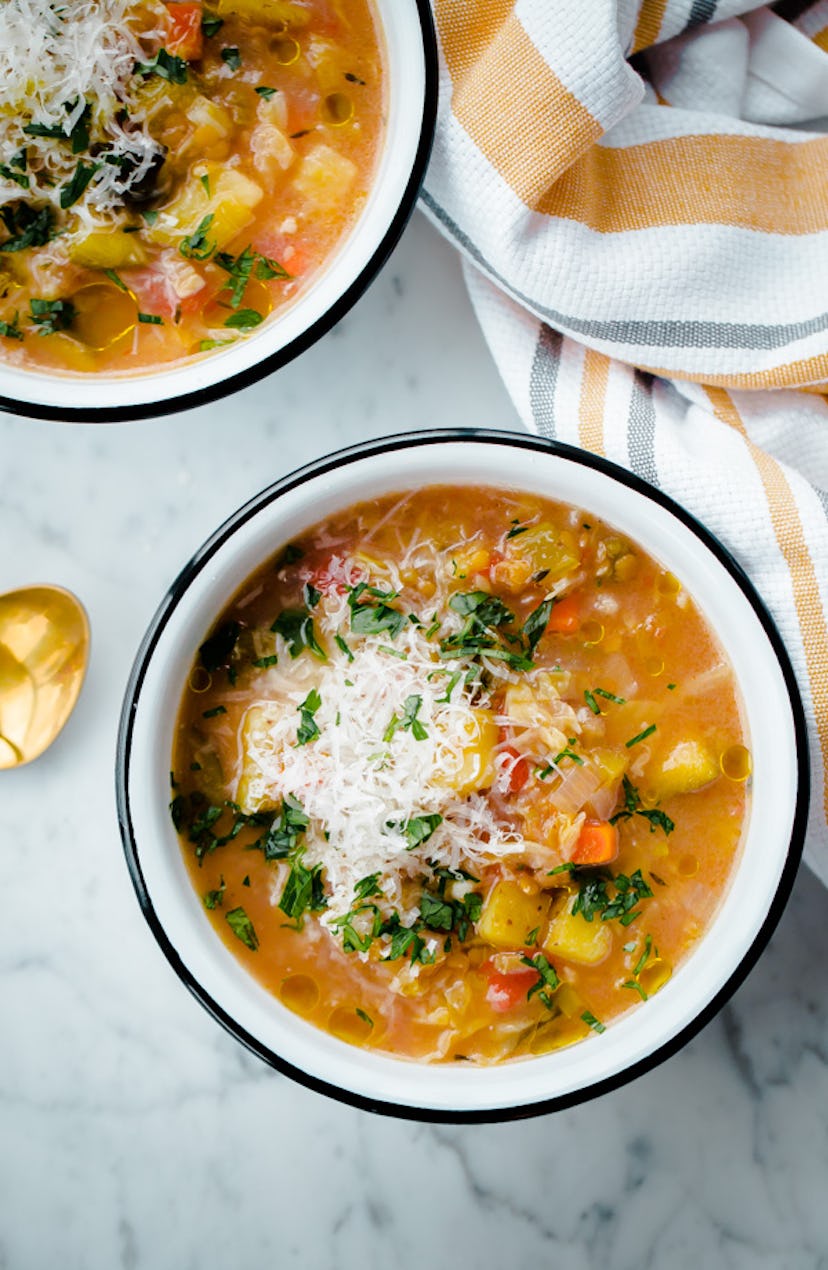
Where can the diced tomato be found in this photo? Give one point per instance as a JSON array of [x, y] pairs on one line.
[[565, 617], [507, 988], [286, 249], [597, 843], [519, 771], [185, 38], [156, 294]]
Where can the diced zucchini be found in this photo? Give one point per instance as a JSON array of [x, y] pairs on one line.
[[574, 939], [510, 915], [689, 766], [112, 249], [214, 190]]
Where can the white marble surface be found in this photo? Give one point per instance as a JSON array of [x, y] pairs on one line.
[[133, 1132]]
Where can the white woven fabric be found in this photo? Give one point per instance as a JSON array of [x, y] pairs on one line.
[[643, 211]]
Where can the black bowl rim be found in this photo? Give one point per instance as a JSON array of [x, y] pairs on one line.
[[343, 304], [531, 444]]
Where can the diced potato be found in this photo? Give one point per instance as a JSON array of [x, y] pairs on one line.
[[211, 121], [510, 915], [226, 195], [538, 705], [255, 790], [512, 574], [112, 249], [689, 766], [545, 547], [474, 767], [272, 152], [574, 939], [324, 177], [610, 764]]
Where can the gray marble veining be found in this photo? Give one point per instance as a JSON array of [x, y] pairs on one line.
[[135, 1134]]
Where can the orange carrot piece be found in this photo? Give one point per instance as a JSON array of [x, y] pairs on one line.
[[597, 843], [185, 38], [565, 617]]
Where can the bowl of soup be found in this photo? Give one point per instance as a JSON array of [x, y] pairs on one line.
[[192, 191], [462, 775]]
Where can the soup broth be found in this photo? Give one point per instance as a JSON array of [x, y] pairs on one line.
[[461, 774]]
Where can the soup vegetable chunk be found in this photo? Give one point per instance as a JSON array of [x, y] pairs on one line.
[[461, 775], [174, 171]]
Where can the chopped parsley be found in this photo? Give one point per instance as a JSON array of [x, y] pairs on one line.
[[264, 663], [166, 65], [211, 26], [150, 319], [26, 226], [213, 899], [591, 1021], [418, 829], [593, 898], [52, 316], [308, 728], [373, 619], [197, 246], [297, 630], [241, 268], [72, 191], [231, 57], [591, 702], [516, 530], [547, 981], [266, 92], [642, 736], [11, 330], [244, 320], [657, 818], [366, 1018], [610, 696], [243, 928], [409, 721]]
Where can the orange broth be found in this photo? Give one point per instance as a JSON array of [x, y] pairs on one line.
[[244, 135], [584, 701]]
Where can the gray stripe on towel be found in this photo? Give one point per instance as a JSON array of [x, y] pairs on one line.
[[641, 428], [543, 378], [666, 334]]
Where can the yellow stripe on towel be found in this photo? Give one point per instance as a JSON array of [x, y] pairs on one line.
[[787, 526]]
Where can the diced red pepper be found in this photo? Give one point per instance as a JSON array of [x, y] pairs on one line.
[[185, 37], [519, 770], [506, 989]]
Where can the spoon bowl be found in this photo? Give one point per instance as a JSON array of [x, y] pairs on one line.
[[44, 648]]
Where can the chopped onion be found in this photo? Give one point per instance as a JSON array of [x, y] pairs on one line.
[[576, 788]]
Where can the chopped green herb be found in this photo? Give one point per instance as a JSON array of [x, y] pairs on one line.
[[213, 899], [118, 281], [308, 729], [26, 226], [532, 937], [166, 65], [204, 346], [150, 319], [205, 181], [642, 961], [366, 1018], [303, 892], [419, 829], [547, 982], [591, 702], [642, 736], [72, 191], [297, 629], [671, 687], [343, 647], [197, 246], [311, 595], [264, 663], [569, 867], [281, 840], [232, 57], [243, 928], [591, 1021], [632, 807], [212, 714], [52, 316], [568, 753], [19, 178], [516, 529], [536, 623], [211, 26], [635, 987], [150, 217], [265, 92], [244, 320], [11, 330], [610, 696], [368, 887]]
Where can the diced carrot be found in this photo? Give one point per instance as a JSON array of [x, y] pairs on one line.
[[185, 38], [506, 989], [519, 773], [565, 617], [597, 843]]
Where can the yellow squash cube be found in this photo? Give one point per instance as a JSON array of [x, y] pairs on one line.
[[689, 766], [472, 767], [510, 915], [221, 192], [575, 939], [110, 249]]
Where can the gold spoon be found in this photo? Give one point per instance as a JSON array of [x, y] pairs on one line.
[[44, 648]]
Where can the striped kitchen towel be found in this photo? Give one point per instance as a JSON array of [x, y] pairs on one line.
[[640, 192]]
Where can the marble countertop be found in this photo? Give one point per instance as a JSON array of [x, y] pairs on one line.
[[134, 1132]]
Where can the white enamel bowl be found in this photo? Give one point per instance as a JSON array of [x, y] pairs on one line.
[[751, 905], [411, 61]]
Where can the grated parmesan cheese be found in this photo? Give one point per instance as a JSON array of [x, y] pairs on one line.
[[57, 60], [360, 786]]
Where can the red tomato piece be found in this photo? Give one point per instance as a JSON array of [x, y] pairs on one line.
[[507, 988], [519, 773], [565, 617], [185, 38]]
